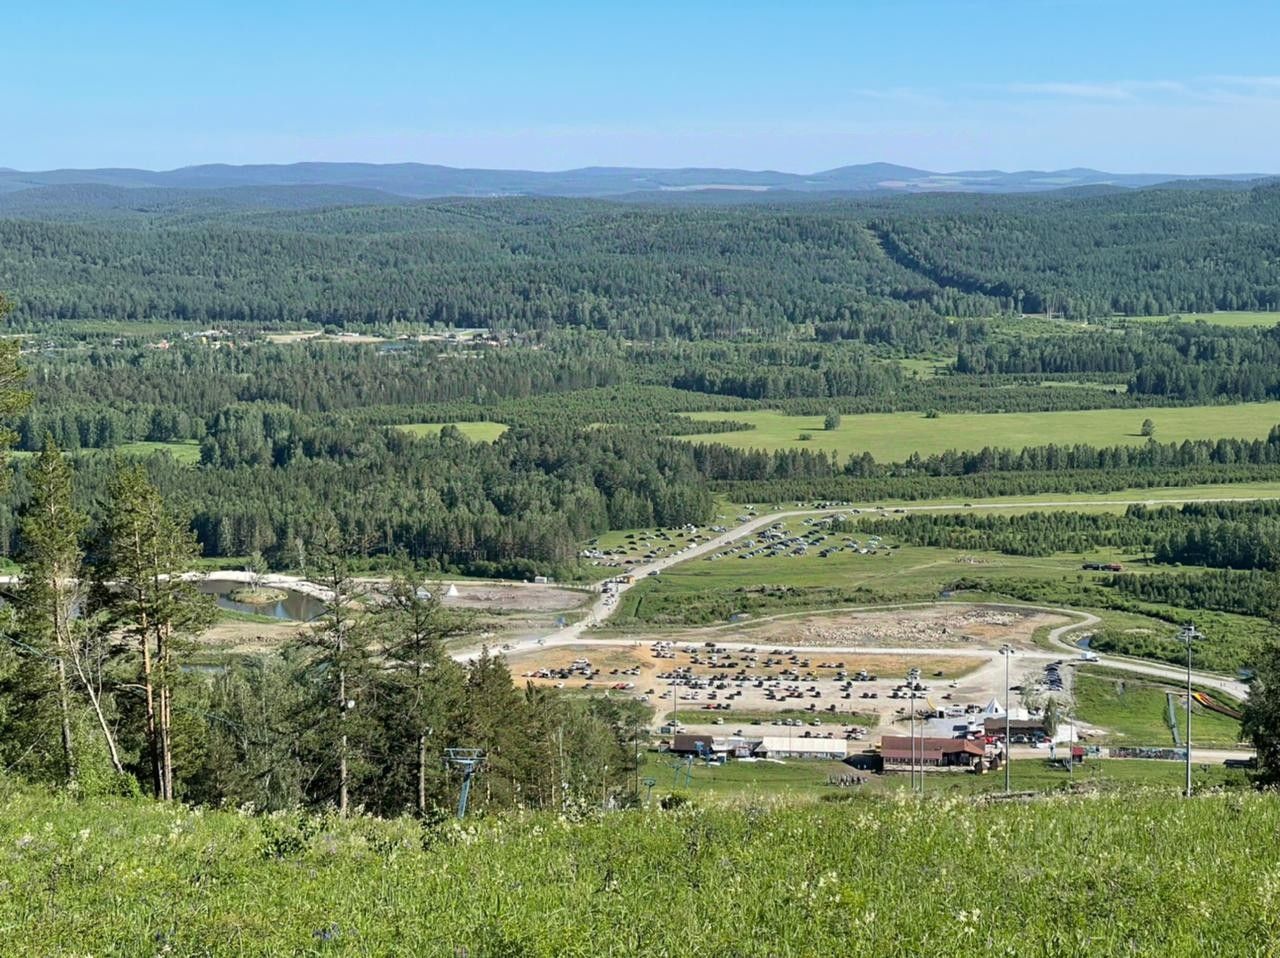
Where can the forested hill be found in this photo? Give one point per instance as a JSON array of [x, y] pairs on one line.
[[423, 180], [646, 271]]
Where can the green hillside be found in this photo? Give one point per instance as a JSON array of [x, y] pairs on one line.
[[1146, 874]]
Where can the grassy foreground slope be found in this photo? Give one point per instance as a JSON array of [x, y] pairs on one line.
[[1145, 874]]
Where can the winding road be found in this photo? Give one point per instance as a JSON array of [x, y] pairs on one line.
[[603, 607]]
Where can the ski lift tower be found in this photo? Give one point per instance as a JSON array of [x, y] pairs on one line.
[[468, 760], [681, 768]]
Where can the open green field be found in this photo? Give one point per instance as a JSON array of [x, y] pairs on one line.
[[475, 431], [187, 452], [132, 328], [796, 780], [1138, 873], [1234, 319], [926, 368], [184, 452], [1076, 502], [1134, 711], [892, 437], [706, 591], [800, 781]]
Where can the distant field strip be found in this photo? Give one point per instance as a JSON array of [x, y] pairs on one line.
[[475, 431], [895, 436], [1236, 320]]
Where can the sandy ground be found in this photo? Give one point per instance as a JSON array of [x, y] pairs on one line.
[[939, 627], [956, 640], [809, 679], [514, 597], [235, 635], [506, 612]]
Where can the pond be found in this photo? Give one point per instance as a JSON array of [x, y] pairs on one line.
[[294, 607]]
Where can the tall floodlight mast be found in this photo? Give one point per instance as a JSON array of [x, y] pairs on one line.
[[1189, 635], [1006, 650]]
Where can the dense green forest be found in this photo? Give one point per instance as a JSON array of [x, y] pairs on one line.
[[289, 437], [872, 271], [608, 322]]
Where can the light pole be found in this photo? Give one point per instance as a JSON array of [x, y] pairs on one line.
[[1071, 744], [1189, 635], [1006, 650], [923, 738], [913, 676]]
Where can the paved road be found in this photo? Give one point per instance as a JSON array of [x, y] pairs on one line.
[[603, 607], [1211, 680]]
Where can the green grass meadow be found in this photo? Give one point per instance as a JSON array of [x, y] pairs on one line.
[[475, 431], [1237, 319], [1135, 711], [805, 781], [1137, 873], [892, 437], [766, 585], [185, 452]]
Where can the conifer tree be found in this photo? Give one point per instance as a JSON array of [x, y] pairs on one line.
[[48, 596], [340, 664], [498, 724], [141, 585], [427, 686]]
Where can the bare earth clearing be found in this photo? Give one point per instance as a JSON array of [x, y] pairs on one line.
[[936, 627]]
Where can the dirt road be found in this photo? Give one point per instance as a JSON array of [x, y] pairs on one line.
[[606, 604]]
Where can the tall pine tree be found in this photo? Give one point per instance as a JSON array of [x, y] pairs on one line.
[[141, 585]]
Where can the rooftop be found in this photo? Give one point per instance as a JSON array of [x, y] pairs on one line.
[[899, 748]]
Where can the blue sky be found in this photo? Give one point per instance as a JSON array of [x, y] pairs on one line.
[[1125, 85]]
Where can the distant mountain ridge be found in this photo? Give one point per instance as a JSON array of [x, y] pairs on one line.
[[425, 181]]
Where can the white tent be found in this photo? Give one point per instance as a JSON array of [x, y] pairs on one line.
[[451, 592], [993, 710]]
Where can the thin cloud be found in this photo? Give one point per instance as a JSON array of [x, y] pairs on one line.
[[1247, 84], [1208, 89], [1112, 90]]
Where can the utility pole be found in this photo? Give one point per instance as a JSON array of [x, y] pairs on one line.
[[922, 741], [1189, 636], [1006, 650], [913, 678], [913, 740]]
